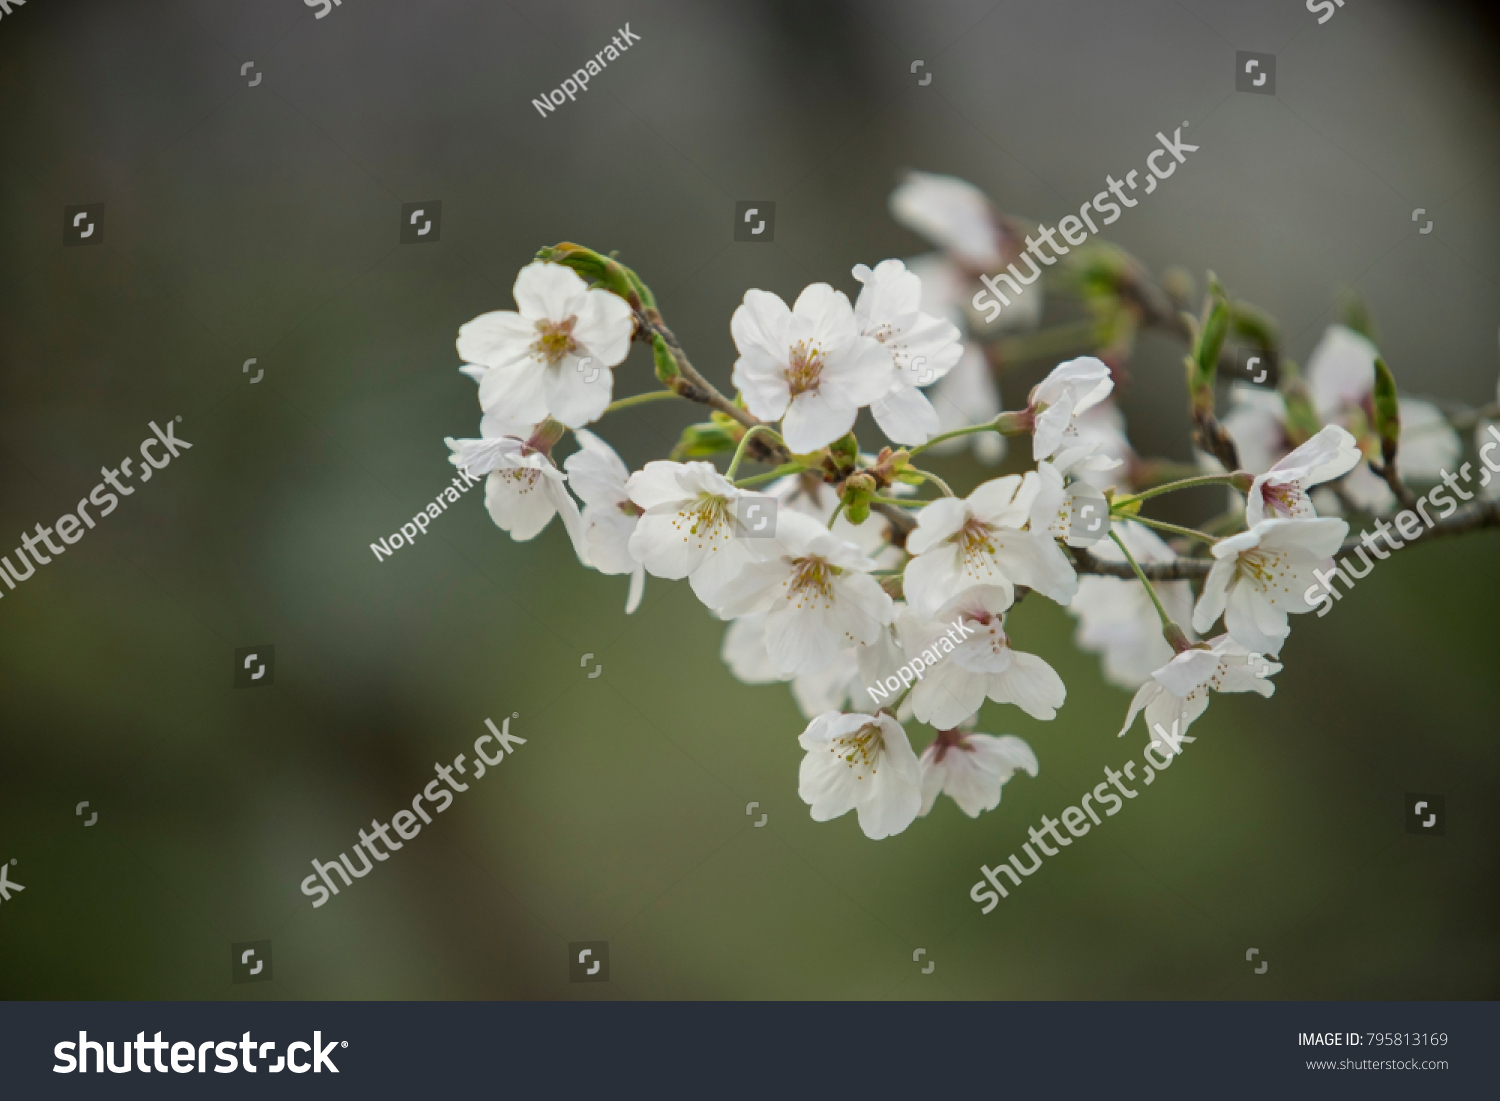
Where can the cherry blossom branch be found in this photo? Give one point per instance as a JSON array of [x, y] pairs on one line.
[[1392, 478], [901, 522]]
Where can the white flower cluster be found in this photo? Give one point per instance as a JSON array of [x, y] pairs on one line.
[[860, 577]]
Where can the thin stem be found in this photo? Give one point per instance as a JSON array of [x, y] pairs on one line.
[[1185, 483], [936, 481], [900, 502], [895, 705], [1175, 529], [771, 475], [955, 434], [641, 399], [839, 511], [1166, 620], [739, 452]]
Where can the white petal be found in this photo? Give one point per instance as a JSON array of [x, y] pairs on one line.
[[1031, 684], [546, 291], [813, 421], [906, 416], [518, 502], [604, 328], [515, 392], [571, 397], [498, 339]]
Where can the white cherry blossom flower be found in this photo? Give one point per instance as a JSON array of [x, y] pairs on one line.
[[688, 526], [1177, 693], [1101, 429], [953, 214], [837, 686], [1281, 492], [923, 348], [1068, 506], [1341, 378], [817, 594], [1116, 618], [1261, 576], [974, 662], [809, 367], [598, 476], [862, 763], [959, 543], [1070, 389], [524, 489], [554, 355], [971, 769]]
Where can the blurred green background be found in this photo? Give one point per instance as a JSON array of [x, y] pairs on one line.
[[262, 222]]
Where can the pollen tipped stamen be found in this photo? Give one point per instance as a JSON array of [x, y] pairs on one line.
[[860, 750], [804, 368], [554, 341], [976, 545]]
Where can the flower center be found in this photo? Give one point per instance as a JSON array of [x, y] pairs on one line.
[[860, 750], [523, 479], [804, 367], [1265, 568], [975, 545], [950, 739], [554, 339], [812, 579], [705, 519], [1281, 499]]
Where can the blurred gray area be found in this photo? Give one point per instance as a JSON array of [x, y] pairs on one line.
[[262, 222]]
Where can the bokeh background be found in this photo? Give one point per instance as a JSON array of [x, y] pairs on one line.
[[263, 222]]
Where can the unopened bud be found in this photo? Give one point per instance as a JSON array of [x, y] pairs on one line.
[[1387, 411], [666, 362], [1021, 423], [856, 494], [845, 453]]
